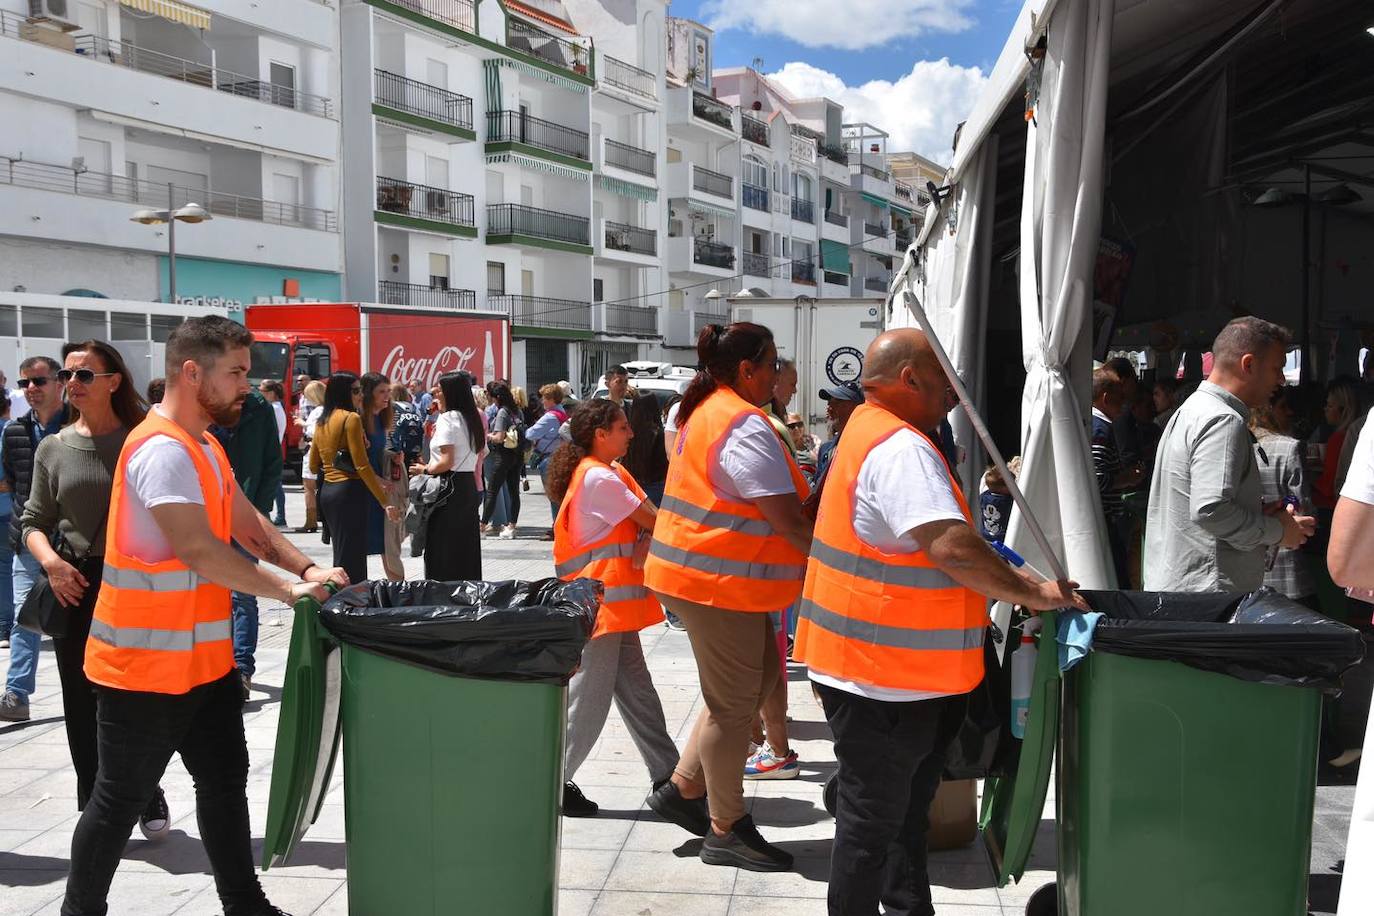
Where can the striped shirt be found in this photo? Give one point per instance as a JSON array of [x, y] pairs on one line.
[[1107, 464]]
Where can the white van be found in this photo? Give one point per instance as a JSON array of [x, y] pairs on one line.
[[663, 380]]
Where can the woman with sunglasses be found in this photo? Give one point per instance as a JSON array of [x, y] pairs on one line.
[[64, 525], [339, 458]]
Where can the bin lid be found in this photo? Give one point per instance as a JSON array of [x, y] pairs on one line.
[[307, 735], [1013, 804]]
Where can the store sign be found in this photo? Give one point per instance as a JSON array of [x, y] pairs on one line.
[[419, 349], [214, 302], [845, 364]]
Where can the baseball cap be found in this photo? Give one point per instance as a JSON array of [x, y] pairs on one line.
[[844, 391]]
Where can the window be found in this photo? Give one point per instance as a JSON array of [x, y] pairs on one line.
[[598, 289], [436, 73], [40, 322], [84, 325], [496, 278], [128, 327], [283, 77], [755, 172], [9, 321], [438, 271], [801, 186], [164, 325], [95, 156], [286, 190], [436, 171]]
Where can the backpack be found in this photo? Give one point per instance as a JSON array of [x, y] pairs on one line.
[[408, 437]]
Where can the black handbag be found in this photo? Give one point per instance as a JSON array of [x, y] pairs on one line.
[[41, 612], [343, 461]]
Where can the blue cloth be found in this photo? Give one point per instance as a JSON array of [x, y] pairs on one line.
[[7, 611], [424, 401], [376, 515], [824, 454], [6, 503], [994, 514], [1075, 636], [23, 673], [543, 435], [244, 621]]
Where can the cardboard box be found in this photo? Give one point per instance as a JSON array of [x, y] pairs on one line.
[[954, 815]]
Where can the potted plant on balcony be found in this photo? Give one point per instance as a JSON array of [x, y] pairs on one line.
[[579, 66]]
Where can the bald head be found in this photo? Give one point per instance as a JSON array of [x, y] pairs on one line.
[[903, 375], [891, 351]]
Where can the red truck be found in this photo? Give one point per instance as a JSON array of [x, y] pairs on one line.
[[404, 343]]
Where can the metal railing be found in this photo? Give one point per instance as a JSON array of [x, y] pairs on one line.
[[543, 312], [631, 319], [417, 98], [803, 210], [425, 202], [518, 219], [874, 228], [877, 284], [756, 264], [902, 189], [713, 110], [631, 158], [836, 279], [873, 171], [524, 36], [390, 292], [710, 182], [803, 272], [702, 319], [713, 254], [518, 127], [66, 180], [457, 13], [837, 219], [902, 241], [624, 237], [753, 130], [754, 196], [629, 77]]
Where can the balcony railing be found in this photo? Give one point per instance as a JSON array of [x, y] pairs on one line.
[[126, 54], [872, 171], [836, 279], [902, 241], [543, 312], [837, 219], [457, 13], [523, 36], [631, 158], [803, 211], [753, 130], [903, 190], [713, 110], [702, 319], [417, 98], [630, 78], [834, 153], [756, 264], [803, 272], [754, 196], [389, 292], [631, 319], [709, 182], [877, 229], [425, 202], [624, 237], [713, 254], [518, 219], [517, 127], [65, 180], [877, 284]]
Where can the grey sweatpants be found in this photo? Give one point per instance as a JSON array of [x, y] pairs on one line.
[[613, 667]]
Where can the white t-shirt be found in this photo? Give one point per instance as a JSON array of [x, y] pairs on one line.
[[451, 429], [670, 424], [280, 411], [19, 405], [603, 502], [903, 484], [751, 463], [1359, 481], [160, 473]]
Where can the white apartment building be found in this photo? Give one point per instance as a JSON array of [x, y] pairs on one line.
[[114, 106]]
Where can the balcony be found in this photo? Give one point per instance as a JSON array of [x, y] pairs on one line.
[[804, 272], [713, 254], [630, 319], [631, 158], [713, 110], [547, 47], [872, 171], [510, 223], [197, 73], [64, 180], [714, 183], [753, 130], [877, 229], [754, 197], [628, 78], [538, 134], [902, 240], [837, 219], [836, 279], [875, 284], [448, 14], [902, 190], [756, 264], [803, 211], [543, 312], [422, 105], [389, 292], [702, 319], [630, 239], [419, 206]]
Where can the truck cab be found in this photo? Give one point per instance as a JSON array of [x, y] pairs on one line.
[[284, 356]]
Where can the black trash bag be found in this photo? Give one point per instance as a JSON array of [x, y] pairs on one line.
[[985, 745], [507, 631], [1262, 636]]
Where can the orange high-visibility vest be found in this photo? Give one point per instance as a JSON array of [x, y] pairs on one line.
[[627, 605], [882, 619], [159, 627], [712, 549]]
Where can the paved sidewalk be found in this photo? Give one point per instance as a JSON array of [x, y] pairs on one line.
[[626, 861]]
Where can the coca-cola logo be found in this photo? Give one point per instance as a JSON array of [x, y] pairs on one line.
[[425, 371]]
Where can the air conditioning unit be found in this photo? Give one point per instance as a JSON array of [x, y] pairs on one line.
[[436, 201], [55, 11]]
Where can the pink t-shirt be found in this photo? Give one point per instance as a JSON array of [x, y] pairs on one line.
[[603, 502]]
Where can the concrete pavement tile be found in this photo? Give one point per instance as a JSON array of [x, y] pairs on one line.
[[13, 780], [20, 813], [809, 878], [615, 903], [671, 872], [54, 733], [622, 773], [293, 895], [967, 884], [145, 894], [585, 869], [32, 754], [653, 834], [1031, 882], [29, 890], [575, 903], [337, 905], [792, 906]]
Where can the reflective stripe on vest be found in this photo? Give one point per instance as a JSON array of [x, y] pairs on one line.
[[626, 593], [571, 567], [875, 570], [163, 640], [711, 519], [770, 572], [892, 637], [178, 580]]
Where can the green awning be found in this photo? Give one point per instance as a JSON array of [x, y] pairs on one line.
[[901, 208], [874, 200], [835, 257]]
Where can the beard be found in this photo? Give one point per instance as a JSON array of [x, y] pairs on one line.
[[222, 412]]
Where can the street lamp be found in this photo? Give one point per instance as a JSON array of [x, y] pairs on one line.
[[190, 213]]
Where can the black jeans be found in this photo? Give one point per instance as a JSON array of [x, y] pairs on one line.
[[138, 733], [344, 505], [506, 473], [891, 756], [78, 693]]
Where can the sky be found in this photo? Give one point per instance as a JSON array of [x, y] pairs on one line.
[[910, 67]]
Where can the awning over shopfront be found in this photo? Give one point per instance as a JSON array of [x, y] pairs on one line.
[[835, 257], [174, 10], [874, 199]]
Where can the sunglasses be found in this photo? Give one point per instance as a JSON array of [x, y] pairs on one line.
[[38, 381], [84, 376], [796, 425]]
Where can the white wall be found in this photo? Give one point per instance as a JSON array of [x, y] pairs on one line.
[[43, 266]]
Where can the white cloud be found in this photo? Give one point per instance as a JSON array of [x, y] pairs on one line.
[[851, 26], [920, 110]]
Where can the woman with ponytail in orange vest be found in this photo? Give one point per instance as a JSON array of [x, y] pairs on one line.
[[729, 548], [602, 533]]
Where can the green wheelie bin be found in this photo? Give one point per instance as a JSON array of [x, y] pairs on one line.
[[1186, 760], [451, 782]]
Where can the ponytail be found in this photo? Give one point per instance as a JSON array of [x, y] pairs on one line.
[[591, 415], [720, 350]]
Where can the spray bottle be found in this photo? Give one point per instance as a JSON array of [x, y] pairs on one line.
[[1023, 676]]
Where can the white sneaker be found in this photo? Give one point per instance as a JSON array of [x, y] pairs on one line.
[[507, 533], [156, 822]]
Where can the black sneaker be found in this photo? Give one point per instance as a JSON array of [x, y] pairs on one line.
[[156, 821], [743, 847], [575, 804], [691, 814], [245, 685]]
